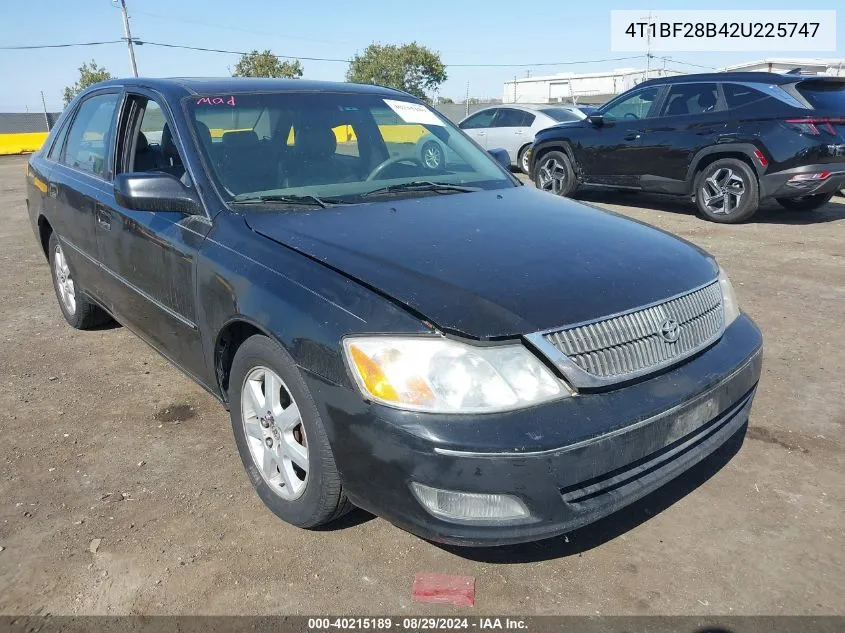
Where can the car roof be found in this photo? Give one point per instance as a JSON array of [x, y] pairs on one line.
[[178, 87], [744, 77], [525, 107]]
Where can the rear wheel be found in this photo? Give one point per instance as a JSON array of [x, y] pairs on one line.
[[554, 174], [805, 203], [522, 159], [726, 191], [281, 438], [77, 309]]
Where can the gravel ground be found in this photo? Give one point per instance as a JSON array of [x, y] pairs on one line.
[[121, 490]]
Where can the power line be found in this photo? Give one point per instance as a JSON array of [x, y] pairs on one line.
[[36, 46], [570, 63], [220, 50], [140, 42], [678, 61]]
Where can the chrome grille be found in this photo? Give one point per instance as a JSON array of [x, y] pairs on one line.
[[632, 343]]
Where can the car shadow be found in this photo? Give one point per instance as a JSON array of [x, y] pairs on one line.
[[611, 526], [353, 518], [770, 212]]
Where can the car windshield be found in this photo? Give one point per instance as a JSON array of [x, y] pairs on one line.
[[289, 147]]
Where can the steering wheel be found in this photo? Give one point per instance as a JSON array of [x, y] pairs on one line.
[[631, 115], [378, 169]]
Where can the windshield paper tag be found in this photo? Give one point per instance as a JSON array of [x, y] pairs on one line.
[[413, 112]]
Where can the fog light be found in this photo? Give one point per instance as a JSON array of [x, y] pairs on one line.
[[451, 505]]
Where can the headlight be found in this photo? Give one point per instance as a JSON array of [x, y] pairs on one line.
[[729, 301], [439, 375]]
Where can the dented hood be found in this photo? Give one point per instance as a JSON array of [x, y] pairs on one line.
[[494, 264]]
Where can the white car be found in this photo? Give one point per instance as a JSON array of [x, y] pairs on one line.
[[512, 127]]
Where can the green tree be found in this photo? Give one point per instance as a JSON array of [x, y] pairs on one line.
[[446, 100], [265, 64], [88, 74], [410, 67]]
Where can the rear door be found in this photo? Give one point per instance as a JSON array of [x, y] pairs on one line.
[[692, 116], [150, 256], [510, 130], [80, 181], [478, 125]]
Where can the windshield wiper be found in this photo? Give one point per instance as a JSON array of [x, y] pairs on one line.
[[290, 199], [420, 185]]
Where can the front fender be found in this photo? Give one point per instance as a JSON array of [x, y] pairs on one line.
[[307, 307]]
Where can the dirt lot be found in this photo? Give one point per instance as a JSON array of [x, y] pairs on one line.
[[101, 439]]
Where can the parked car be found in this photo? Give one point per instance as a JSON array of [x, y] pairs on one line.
[[513, 127], [472, 359], [728, 140]]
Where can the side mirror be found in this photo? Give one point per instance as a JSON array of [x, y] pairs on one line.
[[154, 191], [596, 119], [502, 157]]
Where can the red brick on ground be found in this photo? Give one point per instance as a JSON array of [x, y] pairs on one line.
[[444, 589]]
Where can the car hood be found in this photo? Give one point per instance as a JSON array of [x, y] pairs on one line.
[[494, 264]]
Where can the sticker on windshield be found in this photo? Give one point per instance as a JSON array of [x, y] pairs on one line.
[[413, 112]]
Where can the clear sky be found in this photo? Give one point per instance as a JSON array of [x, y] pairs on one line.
[[464, 32]]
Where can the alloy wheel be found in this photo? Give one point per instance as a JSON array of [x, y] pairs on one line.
[[432, 156], [552, 176], [275, 433], [64, 281], [524, 162], [722, 191]]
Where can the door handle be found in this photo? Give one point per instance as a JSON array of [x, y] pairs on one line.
[[632, 137], [517, 132], [53, 190], [103, 217], [481, 133]]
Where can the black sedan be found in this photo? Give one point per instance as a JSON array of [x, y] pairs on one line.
[[476, 361]]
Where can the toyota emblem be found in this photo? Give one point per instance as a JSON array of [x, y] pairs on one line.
[[670, 330]]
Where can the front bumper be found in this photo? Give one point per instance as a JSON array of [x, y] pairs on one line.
[[570, 462], [779, 185]]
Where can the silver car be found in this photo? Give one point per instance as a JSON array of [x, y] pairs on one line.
[[513, 127]]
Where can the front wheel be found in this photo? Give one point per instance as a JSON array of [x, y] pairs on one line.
[[726, 191], [433, 156], [554, 173], [280, 436], [805, 203]]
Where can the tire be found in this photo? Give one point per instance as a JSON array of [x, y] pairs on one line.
[[79, 311], [522, 160], [727, 191], [805, 203], [307, 494], [553, 173], [432, 155]]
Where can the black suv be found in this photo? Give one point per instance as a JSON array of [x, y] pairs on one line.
[[729, 140]]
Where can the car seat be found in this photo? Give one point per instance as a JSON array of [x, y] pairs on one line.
[[314, 160]]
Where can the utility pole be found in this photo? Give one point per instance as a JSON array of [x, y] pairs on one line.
[[514, 88], [128, 35], [44, 105], [648, 47], [466, 102]]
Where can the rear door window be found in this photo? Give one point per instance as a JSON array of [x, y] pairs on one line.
[[509, 117], [86, 147], [686, 99], [824, 95]]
